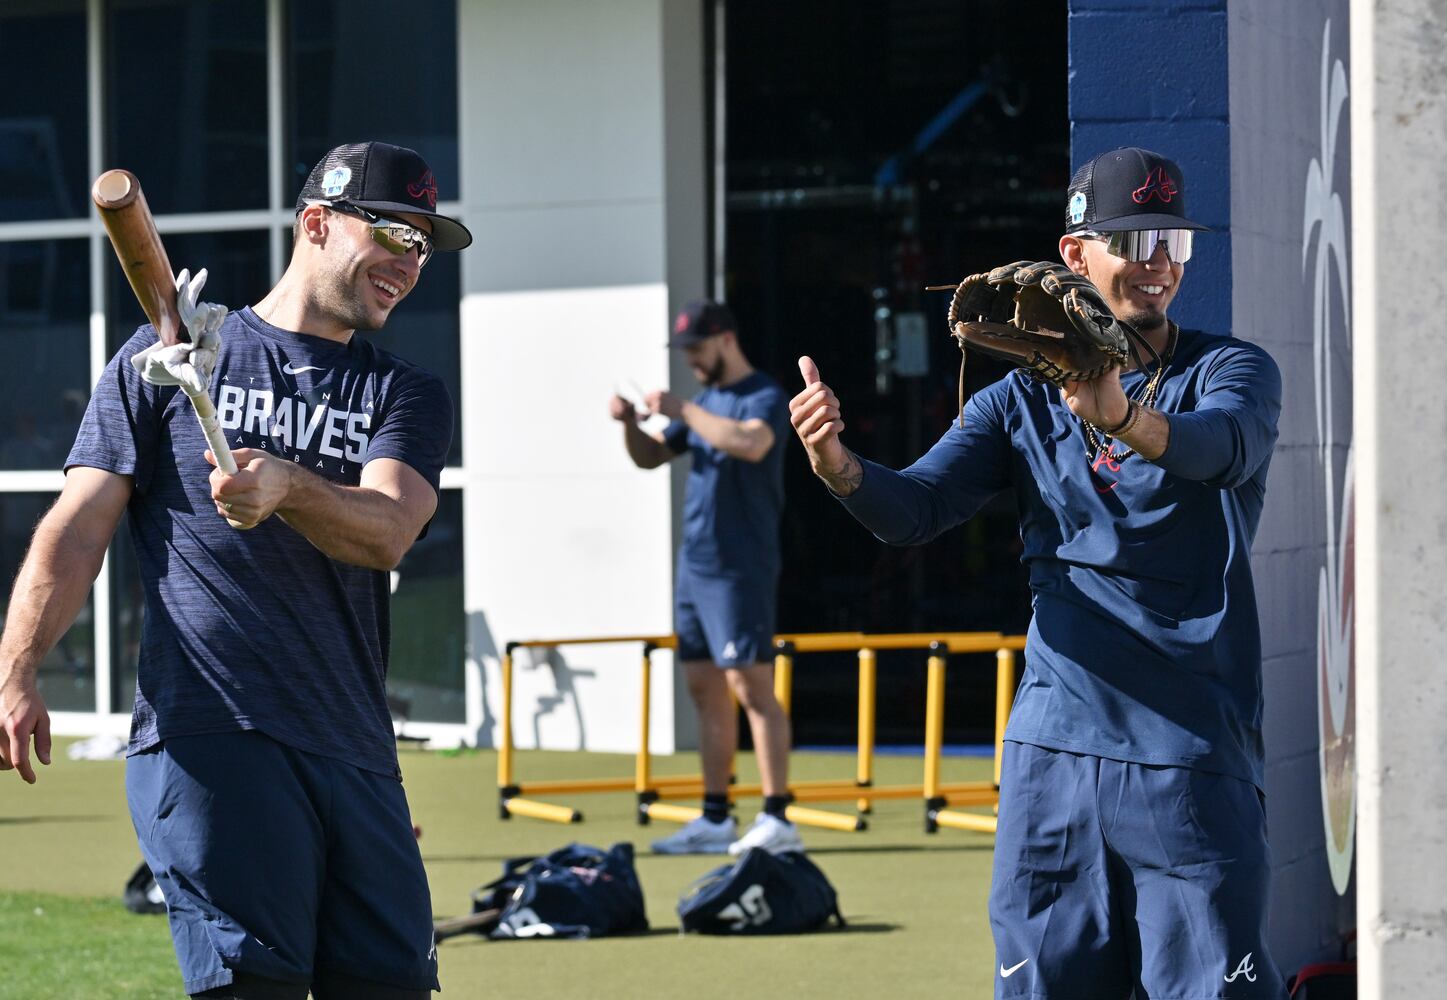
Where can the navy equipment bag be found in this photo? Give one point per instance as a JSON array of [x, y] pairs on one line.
[[577, 891], [761, 893]]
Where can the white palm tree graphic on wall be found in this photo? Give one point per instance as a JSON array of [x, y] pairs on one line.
[[1324, 229]]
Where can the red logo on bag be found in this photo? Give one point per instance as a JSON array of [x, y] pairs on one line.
[[424, 186], [1157, 185]]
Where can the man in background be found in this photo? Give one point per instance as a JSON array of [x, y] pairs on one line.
[[728, 568]]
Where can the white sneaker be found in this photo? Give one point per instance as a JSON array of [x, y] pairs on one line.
[[771, 833], [699, 836]]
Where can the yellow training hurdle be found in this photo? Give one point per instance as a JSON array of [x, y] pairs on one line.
[[650, 791], [937, 795]]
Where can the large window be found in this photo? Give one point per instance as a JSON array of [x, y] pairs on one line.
[[45, 340], [42, 110], [425, 674], [186, 91], [238, 273], [186, 101]]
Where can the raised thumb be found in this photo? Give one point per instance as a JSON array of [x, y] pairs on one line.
[[809, 370]]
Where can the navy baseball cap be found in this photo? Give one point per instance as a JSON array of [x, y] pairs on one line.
[[1127, 189], [699, 320], [381, 177]]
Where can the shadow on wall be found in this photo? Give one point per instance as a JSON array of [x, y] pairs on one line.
[[481, 650], [564, 692]]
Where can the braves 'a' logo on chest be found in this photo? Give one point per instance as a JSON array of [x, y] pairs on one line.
[[1105, 471]]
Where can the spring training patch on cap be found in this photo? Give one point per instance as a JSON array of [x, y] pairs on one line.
[[335, 181], [1077, 208]]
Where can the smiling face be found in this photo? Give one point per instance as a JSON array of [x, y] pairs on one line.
[[1138, 292], [358, 281]]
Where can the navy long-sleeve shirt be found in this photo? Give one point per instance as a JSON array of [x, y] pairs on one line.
[[1145, 644]]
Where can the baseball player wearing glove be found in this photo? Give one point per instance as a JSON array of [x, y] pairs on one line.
[[1131, 852]]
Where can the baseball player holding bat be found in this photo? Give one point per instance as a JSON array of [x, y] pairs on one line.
[[262, 773], [1131, 853]]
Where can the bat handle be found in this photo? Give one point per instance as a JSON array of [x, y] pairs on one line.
[[211, 427], [215, 438]]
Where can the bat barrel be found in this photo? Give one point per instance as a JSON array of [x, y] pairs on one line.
[[122, 205], [115, 189]]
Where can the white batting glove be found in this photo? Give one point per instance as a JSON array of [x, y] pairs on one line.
[[186, 365]]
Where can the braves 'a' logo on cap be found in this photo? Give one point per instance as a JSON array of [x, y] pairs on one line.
[[1157, 185], [424, 186], [680, 324]]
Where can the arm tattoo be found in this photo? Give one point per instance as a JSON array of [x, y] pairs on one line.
[[848, 478]]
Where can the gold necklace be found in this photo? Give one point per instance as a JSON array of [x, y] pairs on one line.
[[1100, 442]]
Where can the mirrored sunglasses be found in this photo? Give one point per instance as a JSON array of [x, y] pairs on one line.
[[392, 234], [1140, 244]]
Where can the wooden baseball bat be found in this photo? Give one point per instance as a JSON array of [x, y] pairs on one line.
[[122, 206], [127, 218]]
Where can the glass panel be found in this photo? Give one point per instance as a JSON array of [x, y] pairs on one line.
[[238, 266], [188, 117], [127, 610], [67, 674], [425, 329], [43, 111], [424, 681], [45, 339], [341, 90]]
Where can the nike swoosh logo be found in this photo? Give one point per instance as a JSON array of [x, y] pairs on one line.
[[290, 370], [1007, 973]]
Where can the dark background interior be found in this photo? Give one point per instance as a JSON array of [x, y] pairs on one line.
[[838, 215]]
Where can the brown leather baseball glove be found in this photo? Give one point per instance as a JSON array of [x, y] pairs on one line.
[[1042, 317]]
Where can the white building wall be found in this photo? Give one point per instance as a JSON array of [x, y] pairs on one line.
[[582, 158]]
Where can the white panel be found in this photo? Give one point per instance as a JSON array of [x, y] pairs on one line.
[[578, 246], [565, 538], [565, 100]]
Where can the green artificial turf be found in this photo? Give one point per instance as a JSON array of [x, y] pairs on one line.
[[915, 902]]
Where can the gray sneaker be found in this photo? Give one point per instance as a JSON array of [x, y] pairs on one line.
[[699, 836], [771, 833]]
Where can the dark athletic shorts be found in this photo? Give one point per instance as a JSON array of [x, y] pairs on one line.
[[1111, 876], [281, 864], [726, 619]]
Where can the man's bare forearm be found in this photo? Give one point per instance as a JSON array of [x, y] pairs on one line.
[[749, 441], [1148, 434], [846, 478], [646, 451], [351, 524]]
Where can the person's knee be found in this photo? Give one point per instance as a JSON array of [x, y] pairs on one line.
[[706, 685], [248, 987], [754, 689], [339, 986]]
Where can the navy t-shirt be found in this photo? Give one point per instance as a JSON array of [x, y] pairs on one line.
[[731, 507], [259, 629], [1145, 644]]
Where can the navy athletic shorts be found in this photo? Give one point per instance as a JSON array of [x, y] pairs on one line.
[[726, 619], [281, 864], [1112, 876]]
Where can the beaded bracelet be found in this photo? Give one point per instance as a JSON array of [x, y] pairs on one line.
[[1132, 412]]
